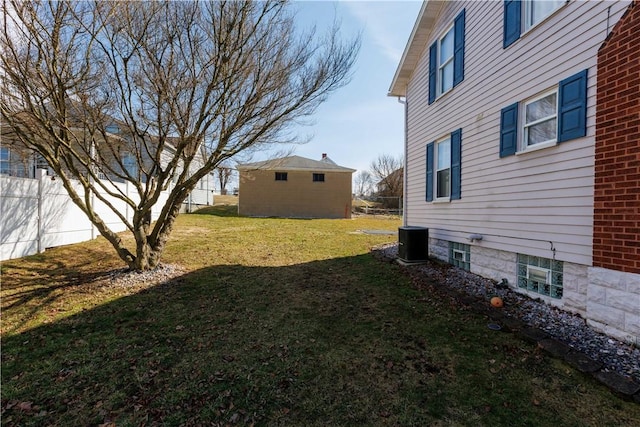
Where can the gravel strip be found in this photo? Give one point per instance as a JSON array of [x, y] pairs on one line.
[[125, 278], [616, 356]]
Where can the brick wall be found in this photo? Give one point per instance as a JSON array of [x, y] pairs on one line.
[[616, 234]]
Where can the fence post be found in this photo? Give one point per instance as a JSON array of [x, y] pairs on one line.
[[41, 175]]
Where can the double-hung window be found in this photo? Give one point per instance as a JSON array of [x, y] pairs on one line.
[[444, 159], [445, 62], [443, 168], [522, 15], [557, 115], [540, 120], [536, 11], [446, 59]]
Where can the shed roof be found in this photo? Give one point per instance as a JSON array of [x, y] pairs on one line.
[[296, 163], [418, 39]]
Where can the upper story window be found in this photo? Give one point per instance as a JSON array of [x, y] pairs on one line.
[[318, 177], [446, 59], [522, 15], [555, 116], [445, 62], [537, 10], [281, 176]]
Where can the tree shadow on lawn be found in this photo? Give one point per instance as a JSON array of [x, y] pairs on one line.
[[33, 285], [219, 210], [335, 342]]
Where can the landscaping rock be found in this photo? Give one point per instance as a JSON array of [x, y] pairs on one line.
[[533, 335], [618, 383], [555, 347], [582, 362]]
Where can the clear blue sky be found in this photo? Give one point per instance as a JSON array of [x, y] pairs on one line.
[[359, 122]]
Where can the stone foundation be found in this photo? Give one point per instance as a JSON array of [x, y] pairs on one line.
[[608, 299], [613, 303]]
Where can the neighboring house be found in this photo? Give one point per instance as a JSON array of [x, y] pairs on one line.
[[295, 187], [389, 188], [512, 108], [18, 161]]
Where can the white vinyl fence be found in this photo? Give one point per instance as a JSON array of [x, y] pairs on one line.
[[38, 213]]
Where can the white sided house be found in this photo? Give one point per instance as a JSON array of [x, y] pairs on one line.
[[501, 107]]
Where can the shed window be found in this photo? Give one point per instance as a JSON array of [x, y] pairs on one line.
[[318, 177], [281, 176]]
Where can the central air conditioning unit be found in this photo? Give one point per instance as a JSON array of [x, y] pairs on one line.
[[413, 244]]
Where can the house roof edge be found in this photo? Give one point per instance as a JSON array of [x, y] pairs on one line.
[[417, 40]]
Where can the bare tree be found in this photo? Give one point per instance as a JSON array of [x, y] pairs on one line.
[[363, 183], [387, 171], [157, 94], [223, 172]]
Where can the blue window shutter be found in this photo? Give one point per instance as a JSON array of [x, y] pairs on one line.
[[509, 130], [512, 22], [456, 163], [430, 161], [458, 50], [433, 70], [572, 107]]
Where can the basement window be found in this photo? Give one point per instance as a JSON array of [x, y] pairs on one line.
[[540, 275], [318, 177], [460, 255], [281, 176]]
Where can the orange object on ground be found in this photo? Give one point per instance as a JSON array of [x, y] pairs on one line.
[[497, 302]]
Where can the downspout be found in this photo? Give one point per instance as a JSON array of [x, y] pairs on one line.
[[404, 169]]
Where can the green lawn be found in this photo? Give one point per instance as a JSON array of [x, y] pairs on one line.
[[274, 322]]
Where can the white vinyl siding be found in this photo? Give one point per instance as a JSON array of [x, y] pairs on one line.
[[520, 203]]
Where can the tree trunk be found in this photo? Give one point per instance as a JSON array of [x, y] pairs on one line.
[[147, 257]]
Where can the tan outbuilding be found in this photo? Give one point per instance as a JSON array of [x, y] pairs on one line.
[[295, 187]]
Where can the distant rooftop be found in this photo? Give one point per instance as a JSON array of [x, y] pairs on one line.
[[297, 163]]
